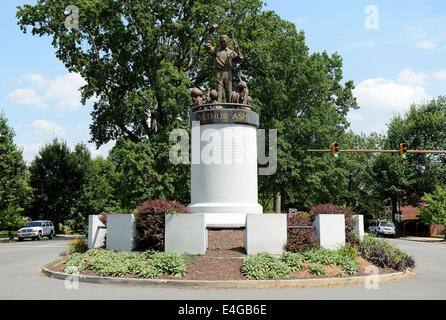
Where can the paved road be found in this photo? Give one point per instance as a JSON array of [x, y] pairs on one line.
[[20, 279]]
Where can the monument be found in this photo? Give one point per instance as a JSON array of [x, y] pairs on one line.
[[224, 145]]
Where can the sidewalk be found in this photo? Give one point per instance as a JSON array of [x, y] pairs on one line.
[[424, 239]]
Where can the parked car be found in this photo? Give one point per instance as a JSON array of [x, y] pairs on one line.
[[36, 230], [381, 227]]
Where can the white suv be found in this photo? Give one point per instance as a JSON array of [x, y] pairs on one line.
[[36, 230], [386, 228]]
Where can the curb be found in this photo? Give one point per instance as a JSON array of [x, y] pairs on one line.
[[230, 284]]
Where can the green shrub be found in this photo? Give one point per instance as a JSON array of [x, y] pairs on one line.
[[383, 255], [321, 256], [169, 263], [77, 245], [293, 260], [345, 257], [349, 266], [316, 269], [264, 266], [349, 251], [77, 261], [111, 263]]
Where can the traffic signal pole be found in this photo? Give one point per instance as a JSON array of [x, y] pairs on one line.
[[375, 150]]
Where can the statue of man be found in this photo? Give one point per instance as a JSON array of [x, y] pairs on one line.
[[223, 60]]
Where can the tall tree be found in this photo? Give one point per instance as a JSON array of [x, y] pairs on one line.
[[57, 177], [141, 57], [138, 57], [14, 189], [405, 181], [435, 209]]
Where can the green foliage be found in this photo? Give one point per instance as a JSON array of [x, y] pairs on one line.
[[321, 256], [422, 127], [77, 245], [316, 269], [68, 186], [14, 189], [384, 255], [293, 260], [435, 210], [110, 263], [57, 177], [264, 266], [345, 257], [145, 172], [169, 263]]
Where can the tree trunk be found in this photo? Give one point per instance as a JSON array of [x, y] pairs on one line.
[[277, 202], [283, 198]]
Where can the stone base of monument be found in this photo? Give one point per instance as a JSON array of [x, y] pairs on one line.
[[265, 233], [226, 215], [121, 231], [359, 225], [96, 232], [330, 230], [186, 234]]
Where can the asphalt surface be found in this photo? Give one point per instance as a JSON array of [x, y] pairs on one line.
[[20, 278]]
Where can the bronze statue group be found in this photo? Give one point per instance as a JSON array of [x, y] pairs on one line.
[[223, 60]]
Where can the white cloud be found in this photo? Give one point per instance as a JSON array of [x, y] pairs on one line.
[[408, 76], [426, 44], [64, 91], [381, 94], [30, 150], [103, 150], [44, 127], [27, 96], [61, 92], [440, 75], [380, 99], [34, 78]]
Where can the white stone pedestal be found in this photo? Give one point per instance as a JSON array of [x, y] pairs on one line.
[[265, 233], [96, 232], [186, 233], [224, 173], [330, 230], [121, 231], [359, 225]]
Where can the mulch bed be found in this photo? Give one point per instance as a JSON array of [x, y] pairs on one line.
[[224, 258]]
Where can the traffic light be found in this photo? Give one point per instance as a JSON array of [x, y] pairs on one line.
[[335, 150], [403, 150]]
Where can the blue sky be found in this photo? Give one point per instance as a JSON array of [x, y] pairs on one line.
[[394, 51]]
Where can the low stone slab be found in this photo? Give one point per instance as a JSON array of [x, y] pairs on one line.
[[186, 233], [330, 230], [96, 232], [121, 231], [265, 233], [359, 225]]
